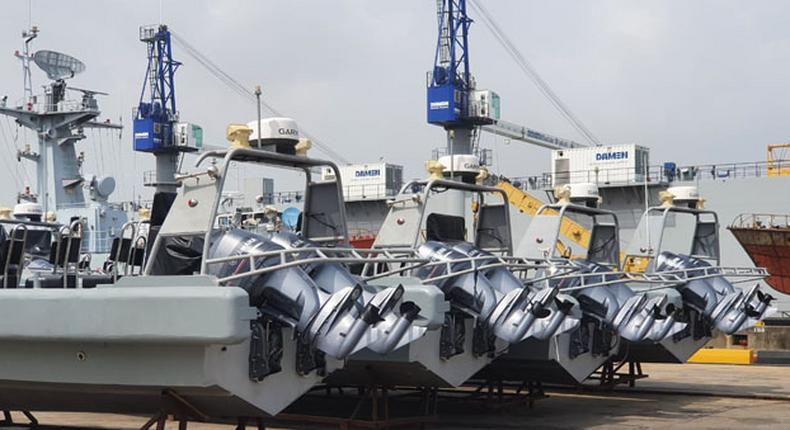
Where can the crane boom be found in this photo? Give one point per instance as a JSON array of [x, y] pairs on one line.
[[528, 135]]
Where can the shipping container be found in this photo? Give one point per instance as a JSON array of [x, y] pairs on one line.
[[370, 181], [603, 165]]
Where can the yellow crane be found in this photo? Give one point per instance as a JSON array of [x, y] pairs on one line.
[[529, 205], [778, 159], [569, 228]]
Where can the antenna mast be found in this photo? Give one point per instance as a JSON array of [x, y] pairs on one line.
[[25, 58]]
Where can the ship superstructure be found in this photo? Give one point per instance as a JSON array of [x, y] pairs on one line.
[[58, 118]]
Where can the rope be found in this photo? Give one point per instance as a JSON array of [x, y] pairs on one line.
[[16, 146], [532, 73], [14, 172], [243, 91]]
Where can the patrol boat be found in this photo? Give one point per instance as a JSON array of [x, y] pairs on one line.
[[681, 238], [491, 306], [612, 305], [221, 322]]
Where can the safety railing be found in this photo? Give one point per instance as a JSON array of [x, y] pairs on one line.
[[406, 259], [380, 263], [367, 192], [38, 104], [663, 279], [761, 221], [653, 174]]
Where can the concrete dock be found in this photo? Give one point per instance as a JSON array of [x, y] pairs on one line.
[[699, 396]]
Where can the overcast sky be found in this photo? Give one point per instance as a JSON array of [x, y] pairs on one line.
[[696, 81]]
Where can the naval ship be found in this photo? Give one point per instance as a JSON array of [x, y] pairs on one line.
[[64, 192]]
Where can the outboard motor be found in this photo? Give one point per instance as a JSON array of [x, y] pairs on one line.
[[709, 301], [635, 316], [502, 305], [522, 312], [471, 295], [395, 326], [331, 322], [727, 308]]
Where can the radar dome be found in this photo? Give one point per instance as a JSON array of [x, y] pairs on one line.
[[58, 65], [28, 210], [277, 134]]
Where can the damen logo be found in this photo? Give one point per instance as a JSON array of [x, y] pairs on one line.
[[616, 155], [367, 173]]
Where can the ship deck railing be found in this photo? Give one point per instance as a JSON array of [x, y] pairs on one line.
[[656, 174], [37, 104], [761, 221], [359, 192]]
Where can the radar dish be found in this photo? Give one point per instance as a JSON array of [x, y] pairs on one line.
[[57, 65]]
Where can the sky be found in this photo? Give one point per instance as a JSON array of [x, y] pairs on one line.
[[696, 81]]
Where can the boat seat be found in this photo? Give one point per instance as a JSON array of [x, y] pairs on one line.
[[57, 254], [120, 250], [10, 256], [178, 255], [55, 280], [443, 228]]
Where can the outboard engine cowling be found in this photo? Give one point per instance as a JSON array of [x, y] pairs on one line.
[[635, 316], [468, 291], [727, 308], [523, 312], [471, 296], [329, 321], [394, 326]]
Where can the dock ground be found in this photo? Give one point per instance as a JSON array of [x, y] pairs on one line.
[[698, 396]]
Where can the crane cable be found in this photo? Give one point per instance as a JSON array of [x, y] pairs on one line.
[[15, 134], [14, 175], [532, 73], [245, 93]]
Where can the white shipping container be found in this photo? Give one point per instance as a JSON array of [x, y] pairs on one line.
[[615, 164], [368, 181], [188, 134]]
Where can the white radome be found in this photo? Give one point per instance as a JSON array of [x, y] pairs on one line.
[[464, 163], [27, 209], [584, 190], [685, 193], [275, 128]]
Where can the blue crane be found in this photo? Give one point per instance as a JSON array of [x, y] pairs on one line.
[[450, 81], [156, 114], [156, 119], [455, 103], [156, 122]]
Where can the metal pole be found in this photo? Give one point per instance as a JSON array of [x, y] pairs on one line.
[[451, 137], [647, 204], [258, 97]]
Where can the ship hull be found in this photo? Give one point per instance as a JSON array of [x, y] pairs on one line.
[[769, 248]]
